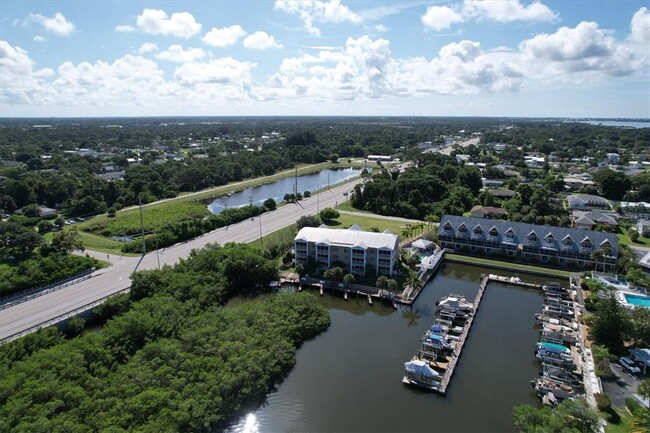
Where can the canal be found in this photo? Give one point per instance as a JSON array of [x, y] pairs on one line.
[[350, 377], [276, 190]]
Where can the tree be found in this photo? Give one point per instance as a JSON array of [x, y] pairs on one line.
[[334, 157], [308, 221], [335, 274], [45, 226], [300, 269], [644, 388], [610, 323], [306, 194], [270, 204], [329, 214], [392, 285], [67, 241], [111, 212], [613, 184], [348, 279], [382, 282], [568, 416]]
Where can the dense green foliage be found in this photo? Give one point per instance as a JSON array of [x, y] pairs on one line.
[[175, 361], [570, 416]]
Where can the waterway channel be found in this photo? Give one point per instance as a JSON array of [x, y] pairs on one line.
[[276, 190], [350, 377]]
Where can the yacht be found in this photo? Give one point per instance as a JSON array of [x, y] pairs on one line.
[[418, 373], [454, 303]]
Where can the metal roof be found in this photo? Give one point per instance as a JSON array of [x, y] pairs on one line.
[[347, 237]]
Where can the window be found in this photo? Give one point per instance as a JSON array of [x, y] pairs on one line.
[[478, 230], [567, 241], [510, 234], [532, 237], [494, 232], [462, 228], [549, 239], [447, 227], [586, 243]]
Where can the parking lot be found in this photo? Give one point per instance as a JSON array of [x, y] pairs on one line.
[[622, 387]]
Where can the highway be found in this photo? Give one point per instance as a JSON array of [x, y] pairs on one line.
[[21, 317]]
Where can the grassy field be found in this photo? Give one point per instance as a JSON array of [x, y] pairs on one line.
[[513, 266], [622, 426], [624, 239], [161, 212], [348, 207], [97, 243]]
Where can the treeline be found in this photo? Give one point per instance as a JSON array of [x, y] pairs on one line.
[[438, 186], [175, 361]]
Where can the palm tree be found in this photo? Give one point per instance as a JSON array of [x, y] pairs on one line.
[[348, 279], [607, 251], [596, 255], [644, 388], [640, 421], [413, 281]]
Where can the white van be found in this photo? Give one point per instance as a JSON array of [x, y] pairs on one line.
[[629, 365]]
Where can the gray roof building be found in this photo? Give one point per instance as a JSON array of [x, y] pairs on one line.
[[587, 202]]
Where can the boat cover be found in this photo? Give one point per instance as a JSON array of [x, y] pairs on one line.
[[552, 347], [420, 368], [437, 328]]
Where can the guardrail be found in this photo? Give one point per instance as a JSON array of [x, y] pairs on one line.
[[26, 295], [61, 317]]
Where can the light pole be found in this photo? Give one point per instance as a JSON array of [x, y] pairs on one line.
[[225, 212], [261, 241], [250, 200]]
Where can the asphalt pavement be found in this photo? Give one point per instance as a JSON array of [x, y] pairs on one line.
[[115, 278]]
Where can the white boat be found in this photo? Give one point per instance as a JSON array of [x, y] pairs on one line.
[[419, 373], [559, 390], [454, 303]]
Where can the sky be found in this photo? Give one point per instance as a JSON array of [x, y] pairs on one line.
[[569, 58]]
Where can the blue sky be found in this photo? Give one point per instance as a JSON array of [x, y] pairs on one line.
[[436, 58]]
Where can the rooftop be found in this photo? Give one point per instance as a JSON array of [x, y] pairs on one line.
[[347, 237]]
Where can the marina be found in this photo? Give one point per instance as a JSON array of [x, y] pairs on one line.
[[312, 397]]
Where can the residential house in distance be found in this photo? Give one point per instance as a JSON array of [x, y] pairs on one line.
[[587, 202], [488, 212], [528, 242], [354, 249], [588, 219]]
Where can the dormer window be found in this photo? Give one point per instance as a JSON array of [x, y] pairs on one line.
[[567, 241], [447, 227], [586, 243], [478, 230], [532, 237], [462, 229], [549, 239], [494, 232], [510, 234]]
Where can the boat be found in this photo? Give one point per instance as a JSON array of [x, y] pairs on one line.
[[560, 391], [419, 373], [559, 311], [550, 288], [454, 303], [559, 374]]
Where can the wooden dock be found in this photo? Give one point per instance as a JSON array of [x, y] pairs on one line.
[[449, 372]]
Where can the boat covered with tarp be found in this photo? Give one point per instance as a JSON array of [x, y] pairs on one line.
[[419, 373]]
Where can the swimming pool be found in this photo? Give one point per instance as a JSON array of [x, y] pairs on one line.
[[638, 300]]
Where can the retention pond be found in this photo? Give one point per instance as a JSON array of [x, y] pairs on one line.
[[350, 377], [276, 190]]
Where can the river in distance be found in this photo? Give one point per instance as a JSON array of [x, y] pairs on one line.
[[349, 378], [276, 190]]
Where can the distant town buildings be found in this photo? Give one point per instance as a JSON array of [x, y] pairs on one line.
[[587, 202]]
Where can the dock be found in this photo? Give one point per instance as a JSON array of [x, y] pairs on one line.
[[449, 371]]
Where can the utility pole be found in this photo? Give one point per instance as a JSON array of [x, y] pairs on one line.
[[250, 200], [261, 241], [157, 255], [225, 212], [295, 187], [318, 200], [328, 181], [144, 244]]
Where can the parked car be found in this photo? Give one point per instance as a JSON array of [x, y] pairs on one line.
[[629, 365]]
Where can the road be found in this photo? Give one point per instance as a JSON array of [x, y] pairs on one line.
[[115, 278]]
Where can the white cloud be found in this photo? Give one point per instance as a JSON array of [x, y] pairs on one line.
[[225, 70], [147, 47], [640, 26], [39, 38], [157, 22], [223, 37], [441, 17], [57, 24], [380, 28], [176, 53], [583, 48], [124, 28], [261, 41], [508, 10], [311, 11], [19, 83]]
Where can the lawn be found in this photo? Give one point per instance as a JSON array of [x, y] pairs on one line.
[[513, 266], [624, 239], [96, 243], [346, 206], [622, 426], [156, 214]]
